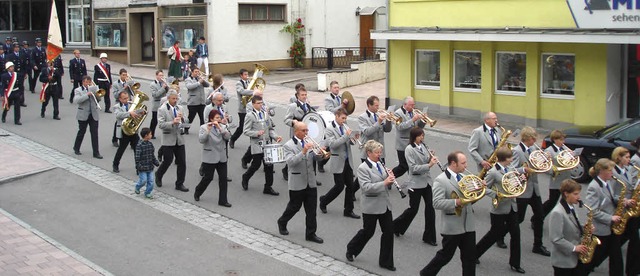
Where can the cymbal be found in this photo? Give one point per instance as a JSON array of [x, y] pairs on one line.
[[351, 105]]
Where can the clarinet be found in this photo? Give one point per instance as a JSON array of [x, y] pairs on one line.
[[395, 183]]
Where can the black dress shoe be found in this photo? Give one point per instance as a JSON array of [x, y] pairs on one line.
[[501, 244], [244, 165], [432, 243], [351, 214], [323, 207], [18, 123], [226, 204], [314, 238], [115, 143], [158, 180], [77, 152], [56, 118], [397, 233], [541, 250], [97, 156], [350, 257], [270, 191], [23, 105], [285, 175], [229, 179], [517, 269], [200, 171], [4, 120], [196, 197], [62, 98], [318, 183], [389, 267], [321, 169], [116, 169], [107, 111], [283, 229], [477, 261], [41, 114], [245, 183], [232, 144], [182, 188]]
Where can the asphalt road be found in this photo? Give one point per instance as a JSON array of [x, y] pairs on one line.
[[250, 207]]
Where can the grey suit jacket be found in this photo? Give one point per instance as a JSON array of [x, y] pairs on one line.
[[253, 124], [371, 130], [196, 91], [214, 144], [209, 107], [157, 92], [404, 128], [170, 132], [443, 186], [241, 90], [301, 173], [331, 103], [86, 105], [481, 145], [629, 179], [375, 195], [521, 157], [121, 113], [564, 233], [295, 111], [562, 176], [604, 205], [494, 178], [118, 86], [340, 146], [419, 171]]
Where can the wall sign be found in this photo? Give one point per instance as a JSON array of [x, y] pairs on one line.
[[610, 14]]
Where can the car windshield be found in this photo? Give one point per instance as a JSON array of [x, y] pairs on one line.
[[606, 131]]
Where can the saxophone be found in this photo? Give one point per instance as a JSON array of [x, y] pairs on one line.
[[635, 211], [618, 228], [494, 157], [588, 239]]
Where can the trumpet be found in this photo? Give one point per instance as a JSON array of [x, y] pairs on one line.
[[389, 116], [425, 119], [395, 182], [316, 147], [355, 139], [99, 93]]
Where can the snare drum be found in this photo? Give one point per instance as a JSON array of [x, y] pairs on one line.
[[317, 123], [273, 153]]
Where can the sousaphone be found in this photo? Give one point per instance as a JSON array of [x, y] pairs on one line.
[[351, 104]]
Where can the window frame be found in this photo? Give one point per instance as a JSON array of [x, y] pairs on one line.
[[464, 89], [497, 91], [556, 96], [415, 71], [109, 20], [268, 20], [169, 20]]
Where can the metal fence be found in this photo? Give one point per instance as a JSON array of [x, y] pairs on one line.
[[342, 57]]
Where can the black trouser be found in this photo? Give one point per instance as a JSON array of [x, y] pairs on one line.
[[401, 223], [238, 131], [579, 270], [167, 158], [51, 93], [363, 236], [113, 137], [107, 94], [154, 122], [82, 129], [610, 247], [76, 84], [256, 160], [307, 197], [499, 224], [547, 206], [246, 158], [33, 78], [467, 244], [402, 167], [538, 216], [196, 109], [340, 181], [124, 142], [209, 170], [633, 250], [14, 100]]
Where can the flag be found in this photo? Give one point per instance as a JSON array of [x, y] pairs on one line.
[[54, 39]]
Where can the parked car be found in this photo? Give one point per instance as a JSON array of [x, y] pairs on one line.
[[598, 143]]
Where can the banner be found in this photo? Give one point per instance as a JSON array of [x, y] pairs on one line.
[[54, 39], [605, 14]]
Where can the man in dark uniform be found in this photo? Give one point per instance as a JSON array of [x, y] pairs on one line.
[[28, 70], [102, 77], [77, 69], [57, 63], [3, 60], [12, 90], [7, 46], [19, 59], [38, 61], [51, 79]]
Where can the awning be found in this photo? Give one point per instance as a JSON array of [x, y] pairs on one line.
[[371, 10], [509, 34]]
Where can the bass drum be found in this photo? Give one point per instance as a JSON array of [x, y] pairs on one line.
[[317, 123]]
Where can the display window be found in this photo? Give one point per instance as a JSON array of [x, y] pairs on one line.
[[467, 71], [511, 73], [427, 69], [558, 74]]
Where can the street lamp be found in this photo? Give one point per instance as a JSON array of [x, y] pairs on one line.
[[358, 11]]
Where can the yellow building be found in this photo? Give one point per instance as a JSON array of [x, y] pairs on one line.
[[543, 63]]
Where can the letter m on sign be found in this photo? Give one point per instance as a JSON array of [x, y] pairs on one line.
[[628, 3]]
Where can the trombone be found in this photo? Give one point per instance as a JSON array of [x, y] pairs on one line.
[[99, 92], [389, 116], [425, 119]]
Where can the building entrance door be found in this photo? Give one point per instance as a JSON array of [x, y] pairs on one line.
[[633, 81], [147, 26], [366, 44]]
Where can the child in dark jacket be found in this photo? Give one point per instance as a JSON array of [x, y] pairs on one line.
[[145, 160]]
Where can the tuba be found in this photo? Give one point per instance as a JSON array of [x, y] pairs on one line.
[[494, 158], [425, 119], [588, 239], [618, 228], [257, 82], [513, 183], [471, 190], [131, 125]]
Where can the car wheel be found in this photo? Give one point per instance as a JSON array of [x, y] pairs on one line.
[[581, 172]]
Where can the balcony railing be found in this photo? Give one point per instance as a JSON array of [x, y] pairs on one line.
[[342, 57]]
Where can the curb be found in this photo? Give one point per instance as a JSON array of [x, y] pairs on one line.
[[23, 175]]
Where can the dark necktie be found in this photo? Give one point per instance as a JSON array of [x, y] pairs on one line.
[[221, 112], [625, 174], [302, 143], [458, 177], [175, 114], [375, 117], [338, 99], [260, 114], [573, 212], [610, 193], [304, 107], [126, 106], [492, 133], [529, 150], [347, 148], [379, 169], [410, 114]]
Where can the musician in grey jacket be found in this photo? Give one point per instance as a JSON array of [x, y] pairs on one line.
[[484, 140], [334, 100], [339, 141], [258, 125], [242, 89], [214, 136], [171, 121], [302, 183], [420, 161], [409, 120], [565, 233], [557, 146], [503, 216], [87, 115], [457, 231], [195, 87], [121, 110], [295, 113], [117, 87], [372, 125], [602, 197], [159, 89], [375, 181]]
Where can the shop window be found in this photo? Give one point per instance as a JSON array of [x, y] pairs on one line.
[[428, 68], [558, 74], [195, 10], [261, 13], [110, 14], [24, 15], [79, 21], [5, 16], [20, 11], [40, 15], [512, 72], [111, 35], [467, 73], [186, 32]]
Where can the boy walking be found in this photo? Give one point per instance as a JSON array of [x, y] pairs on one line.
[[145, 160]]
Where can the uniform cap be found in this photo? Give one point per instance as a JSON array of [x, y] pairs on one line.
[[8, 64], [25, 43], [38, 39], [103, 55]]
